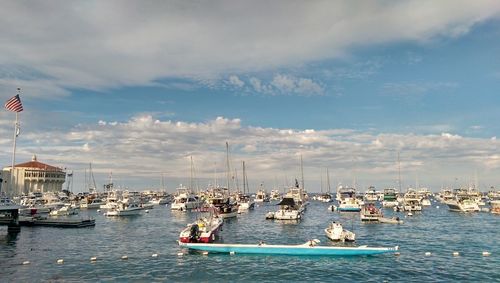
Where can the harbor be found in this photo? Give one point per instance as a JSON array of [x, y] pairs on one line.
[[436, 243]]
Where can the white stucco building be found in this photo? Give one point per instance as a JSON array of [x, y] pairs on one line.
[[32, 176]]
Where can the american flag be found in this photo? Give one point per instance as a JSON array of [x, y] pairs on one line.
[[14, 104]]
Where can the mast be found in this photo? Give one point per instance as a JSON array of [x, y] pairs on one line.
[[399, 174], [302, 172], [92, 176], [228, 169], [191, 174], [328, 179], [321, 183], [244, 179]]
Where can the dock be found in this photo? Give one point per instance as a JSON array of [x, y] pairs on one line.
[[60, 223]]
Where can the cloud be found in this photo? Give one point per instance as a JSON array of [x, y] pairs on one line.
[[110, 44], [142, 147], [234, 80]]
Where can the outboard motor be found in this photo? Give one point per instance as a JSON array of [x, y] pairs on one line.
[[193, 233]]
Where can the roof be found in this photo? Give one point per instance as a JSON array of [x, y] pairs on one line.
[[38, 165], [287, 201]]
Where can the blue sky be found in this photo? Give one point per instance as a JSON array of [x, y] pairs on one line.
[[137, 91]]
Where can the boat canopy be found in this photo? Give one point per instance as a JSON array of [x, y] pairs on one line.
[[287, 201]]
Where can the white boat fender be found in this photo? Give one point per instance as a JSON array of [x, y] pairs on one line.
[[147, 211], [456, 253], [93, 258], [26, 262], [154, 255], [231, 252], [486, 253], [427, 253], [205, 253], [180, 254], [124, 257], [98, 210], [60, 261]]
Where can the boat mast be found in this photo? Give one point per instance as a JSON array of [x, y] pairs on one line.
[[244, 178], [92, 176], [228, 169], [328, 179], [399, 174], [302, 171], [191, 174], [321, 182]]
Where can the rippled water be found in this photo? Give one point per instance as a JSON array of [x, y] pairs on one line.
[[438, 231]]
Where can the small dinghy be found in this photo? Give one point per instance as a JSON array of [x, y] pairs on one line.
[[393, 220], [310, 248], [336, 232]]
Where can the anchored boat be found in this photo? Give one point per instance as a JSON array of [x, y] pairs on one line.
[[310, 248]]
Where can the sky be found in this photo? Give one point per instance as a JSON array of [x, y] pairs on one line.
[[137, 88]]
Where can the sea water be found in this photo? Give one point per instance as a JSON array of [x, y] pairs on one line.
[[435, 230]]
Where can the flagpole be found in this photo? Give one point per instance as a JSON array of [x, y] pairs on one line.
[[16, 126]]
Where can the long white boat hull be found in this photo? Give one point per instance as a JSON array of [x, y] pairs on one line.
[[307, 249], [126, 212]]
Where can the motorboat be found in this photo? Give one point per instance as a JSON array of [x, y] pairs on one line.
[[244, 202], [310, 248], [393, 220], [336, 232], [185, 200], [203, 230], [349, 205], [261, 196], [463, 204], [275, 195], [224, 207], [411, 201], [390, 198], [371, 194], [495, 206], [65, 210], [125, 208], [370, 213], [289, 210]]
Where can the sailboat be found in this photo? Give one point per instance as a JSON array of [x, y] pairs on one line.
[[225, 207], [245, 202], [92, 201]]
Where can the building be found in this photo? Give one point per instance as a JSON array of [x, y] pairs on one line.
[[32, 176]]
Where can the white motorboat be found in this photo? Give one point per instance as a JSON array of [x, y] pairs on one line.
[[125, 208], [289, 210], [411, 201], [390, 198], [244, 203], [371, 194], [463, 205], [65, 210], [261, 196], [185, 200], [393, 220], [336, 232]]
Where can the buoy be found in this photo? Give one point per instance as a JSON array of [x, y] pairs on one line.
[[98, 210], [486, 253], [26, 262], [397, 253], [60, 261], [231, 253], [428, 253], [205, 253], [93, 258], [456, 253], [147, 211], [124, 257], [154, 255], [437, 206], [180, 254]]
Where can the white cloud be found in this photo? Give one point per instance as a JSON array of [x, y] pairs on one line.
[[143, 146], [114, 43], [234, 80]]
